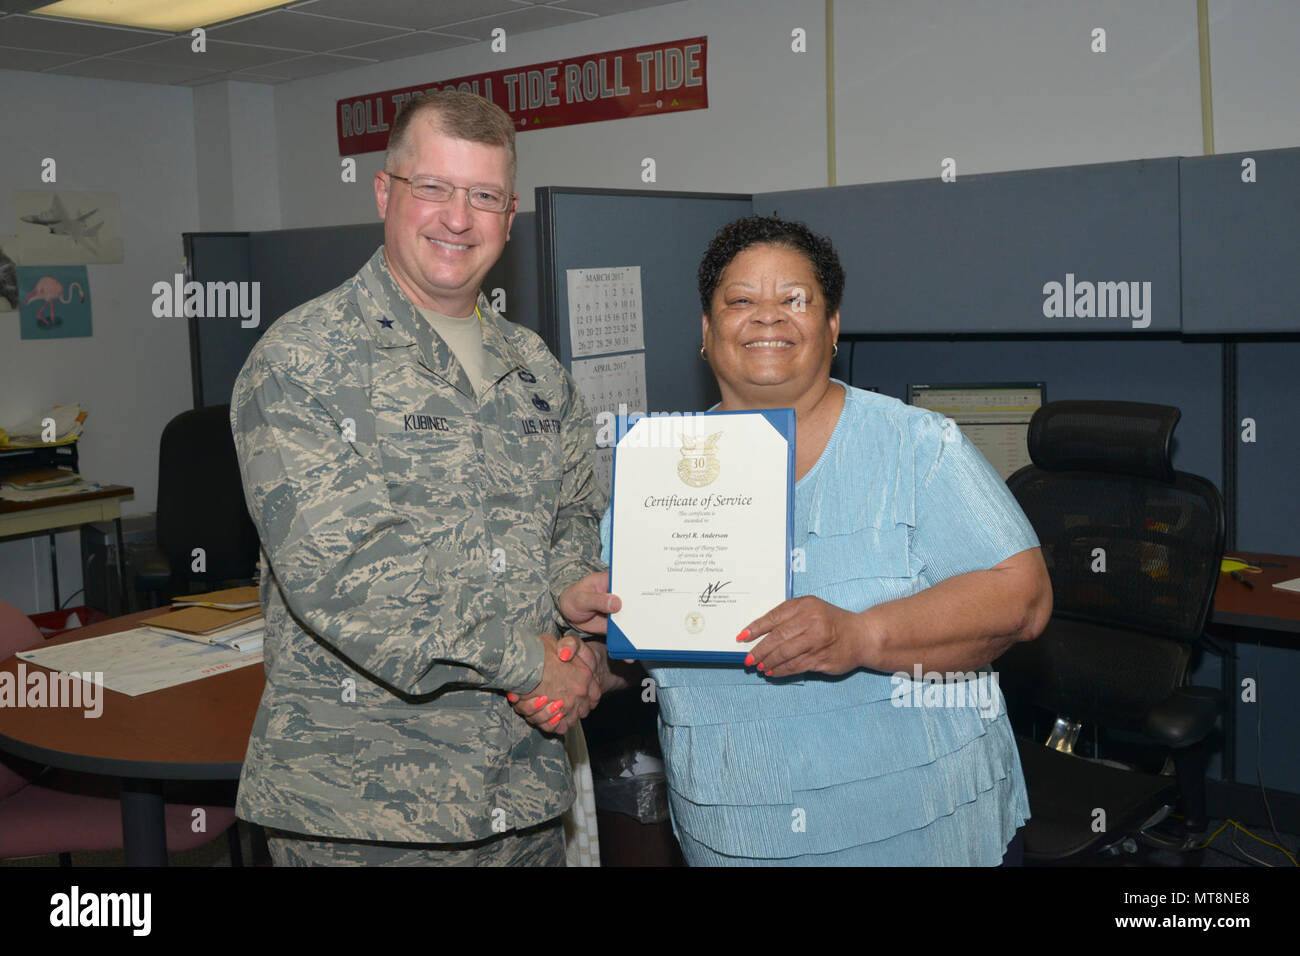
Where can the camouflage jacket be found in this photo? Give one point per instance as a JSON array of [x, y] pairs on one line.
[[415, 540]]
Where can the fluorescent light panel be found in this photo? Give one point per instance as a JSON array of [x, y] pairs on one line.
[[157, 14]]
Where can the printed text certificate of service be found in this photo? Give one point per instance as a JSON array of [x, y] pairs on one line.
[[701, 532]]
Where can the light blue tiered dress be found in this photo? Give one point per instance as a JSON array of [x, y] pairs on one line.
[[824, 770]]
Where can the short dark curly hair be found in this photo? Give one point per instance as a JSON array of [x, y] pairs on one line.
[[735, 237]]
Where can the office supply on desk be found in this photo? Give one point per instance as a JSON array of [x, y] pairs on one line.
[[1292, 586], [994, 417], [77, 486], [1117, 649], [35, 478], [140, 661], [230, 599], [240, 637], [1236, 576], [202, 621]]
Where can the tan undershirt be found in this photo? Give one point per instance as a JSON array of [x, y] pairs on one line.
[[465, 339]]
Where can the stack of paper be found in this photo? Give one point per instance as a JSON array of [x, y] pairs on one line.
[[36, 478], [230, 618]]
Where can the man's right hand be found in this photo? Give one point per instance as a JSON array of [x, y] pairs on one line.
[[568, 690]]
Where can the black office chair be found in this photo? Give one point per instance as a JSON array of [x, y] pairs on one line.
[[1133, 549], [200, 505]]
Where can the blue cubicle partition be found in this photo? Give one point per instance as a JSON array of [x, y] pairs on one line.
[[974, 256], [1241, 242], [664, 233]]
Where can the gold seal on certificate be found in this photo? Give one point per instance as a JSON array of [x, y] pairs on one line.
[[700, 532]]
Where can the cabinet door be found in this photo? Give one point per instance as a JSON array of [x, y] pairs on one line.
[[977, 255], [1241, 241]]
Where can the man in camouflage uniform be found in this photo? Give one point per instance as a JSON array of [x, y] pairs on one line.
[[428, 518]]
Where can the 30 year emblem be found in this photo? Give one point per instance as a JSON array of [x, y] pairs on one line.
[[699, 465]]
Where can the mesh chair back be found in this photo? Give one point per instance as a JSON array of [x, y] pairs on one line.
[[201, 499], [1128, 541]]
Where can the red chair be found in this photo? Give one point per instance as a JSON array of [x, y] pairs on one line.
[[44, 811]]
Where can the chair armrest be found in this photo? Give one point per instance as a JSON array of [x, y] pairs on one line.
[[1185, 718]]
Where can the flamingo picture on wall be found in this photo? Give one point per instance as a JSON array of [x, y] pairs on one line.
[[54, 302], [50, 290]]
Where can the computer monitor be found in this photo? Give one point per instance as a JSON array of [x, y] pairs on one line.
[[994, 416]]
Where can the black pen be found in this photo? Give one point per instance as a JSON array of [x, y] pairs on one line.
[[1236, 576]]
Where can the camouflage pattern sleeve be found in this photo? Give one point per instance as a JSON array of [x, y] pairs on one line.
[[575, 542], [351, 567]]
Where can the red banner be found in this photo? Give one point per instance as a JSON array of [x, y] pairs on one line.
[[637, 81]]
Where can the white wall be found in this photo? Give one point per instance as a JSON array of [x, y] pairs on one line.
[[132, 374], [1255, 68], [765, 128], [1011, 85]]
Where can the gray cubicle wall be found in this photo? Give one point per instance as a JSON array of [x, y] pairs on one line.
[[664, 233], [217, 346], [296, 265], [972, 256]]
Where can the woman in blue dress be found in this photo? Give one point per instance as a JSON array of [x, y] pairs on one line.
[[912, 563]]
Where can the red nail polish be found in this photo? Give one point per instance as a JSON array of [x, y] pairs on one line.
[[540, 702], [513, 698], [555, 720], [749, 661], [743, 635], [566, 653], [760, 665], [556, 706]]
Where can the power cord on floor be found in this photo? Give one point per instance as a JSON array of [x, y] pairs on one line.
[[1233, 823]]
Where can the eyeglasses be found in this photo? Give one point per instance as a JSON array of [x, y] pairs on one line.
[[486, 198]]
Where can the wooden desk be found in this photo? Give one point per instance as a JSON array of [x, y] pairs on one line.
[[66, 511], [1240, 613], [194, 731]]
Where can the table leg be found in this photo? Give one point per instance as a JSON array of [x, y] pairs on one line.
[[54, 570], [1231, 694], [121, 572], [144, 827]]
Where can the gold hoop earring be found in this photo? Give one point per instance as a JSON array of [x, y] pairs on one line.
[[835, 349], [702, 355]]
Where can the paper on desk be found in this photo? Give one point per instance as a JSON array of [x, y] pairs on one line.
[[140, 661], [79, 487]]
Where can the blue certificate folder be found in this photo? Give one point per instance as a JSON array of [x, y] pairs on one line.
[[783, 421]]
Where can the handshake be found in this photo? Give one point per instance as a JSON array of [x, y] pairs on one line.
[[576, 672]]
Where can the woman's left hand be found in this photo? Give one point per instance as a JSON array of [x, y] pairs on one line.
[[807, 634]]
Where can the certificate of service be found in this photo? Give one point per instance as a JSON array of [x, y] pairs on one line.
[[701, 531]]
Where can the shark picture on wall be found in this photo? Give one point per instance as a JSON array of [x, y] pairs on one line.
[[68, 227]]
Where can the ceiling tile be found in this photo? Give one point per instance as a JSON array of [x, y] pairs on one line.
[[412, 14], [312, 65], [301, 31], [411, 44], [606, 7], [32, 33], [106, 69], [12, 59], [530, 18], [217, 56]]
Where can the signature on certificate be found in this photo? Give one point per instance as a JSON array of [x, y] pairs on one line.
[[711, 590]]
